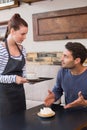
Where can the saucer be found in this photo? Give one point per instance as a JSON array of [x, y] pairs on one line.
[[32, 79]]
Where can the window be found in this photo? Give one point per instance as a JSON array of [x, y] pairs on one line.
[[6, 4]]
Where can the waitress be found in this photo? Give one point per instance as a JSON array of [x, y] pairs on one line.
[[12, 67]]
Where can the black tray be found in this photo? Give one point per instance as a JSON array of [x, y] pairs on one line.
[[40, 79]]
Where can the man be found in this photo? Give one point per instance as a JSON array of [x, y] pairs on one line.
[[71, 78]]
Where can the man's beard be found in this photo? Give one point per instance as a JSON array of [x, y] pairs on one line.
[[68, 67]]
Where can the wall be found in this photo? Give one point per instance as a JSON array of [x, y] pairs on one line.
[[26, 12]]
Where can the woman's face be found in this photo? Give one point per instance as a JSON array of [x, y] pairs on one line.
[[19, 35]]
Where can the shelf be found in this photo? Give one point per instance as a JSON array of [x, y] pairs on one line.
[[31, 1]]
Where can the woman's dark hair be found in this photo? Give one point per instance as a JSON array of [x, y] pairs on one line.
[[15, 22], [78, 50]]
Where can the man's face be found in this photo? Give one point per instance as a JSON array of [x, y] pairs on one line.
[[67, 60]]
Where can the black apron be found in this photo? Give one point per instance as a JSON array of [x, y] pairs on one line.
[[12, 96]]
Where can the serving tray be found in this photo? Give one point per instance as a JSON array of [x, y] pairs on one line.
[[39, 79]]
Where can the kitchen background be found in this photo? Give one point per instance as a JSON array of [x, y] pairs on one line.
[[26, 12], [43, 56]]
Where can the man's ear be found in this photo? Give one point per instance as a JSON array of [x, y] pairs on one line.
[[77, 60]]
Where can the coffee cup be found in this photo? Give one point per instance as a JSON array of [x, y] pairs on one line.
[[31, 75]]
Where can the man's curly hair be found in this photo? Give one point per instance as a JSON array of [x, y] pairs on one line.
[[78, 50]]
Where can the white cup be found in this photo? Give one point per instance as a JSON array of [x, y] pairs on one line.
[[31, 75]]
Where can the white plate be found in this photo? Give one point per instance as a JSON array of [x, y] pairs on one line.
[[45, 115], [32, 79]]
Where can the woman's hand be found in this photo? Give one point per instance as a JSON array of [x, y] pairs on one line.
[[21, 80], [80, 101], [49, 99]]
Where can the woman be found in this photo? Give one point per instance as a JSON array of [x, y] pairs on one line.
[[12, 67]]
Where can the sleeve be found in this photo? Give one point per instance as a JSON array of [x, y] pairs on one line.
[[57, 89], [7, 78], [3, 63]]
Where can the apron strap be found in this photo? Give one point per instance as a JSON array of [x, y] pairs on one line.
[[8, 48], [19, 48]]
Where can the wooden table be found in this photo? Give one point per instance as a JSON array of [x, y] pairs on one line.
[[28, 120]]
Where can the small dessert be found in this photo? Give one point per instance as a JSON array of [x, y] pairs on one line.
[[46, 112]]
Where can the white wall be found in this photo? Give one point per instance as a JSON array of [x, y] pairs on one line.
[[26, 12]]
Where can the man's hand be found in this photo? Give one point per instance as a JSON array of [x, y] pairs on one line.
[[49, 99], [80, 101]]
